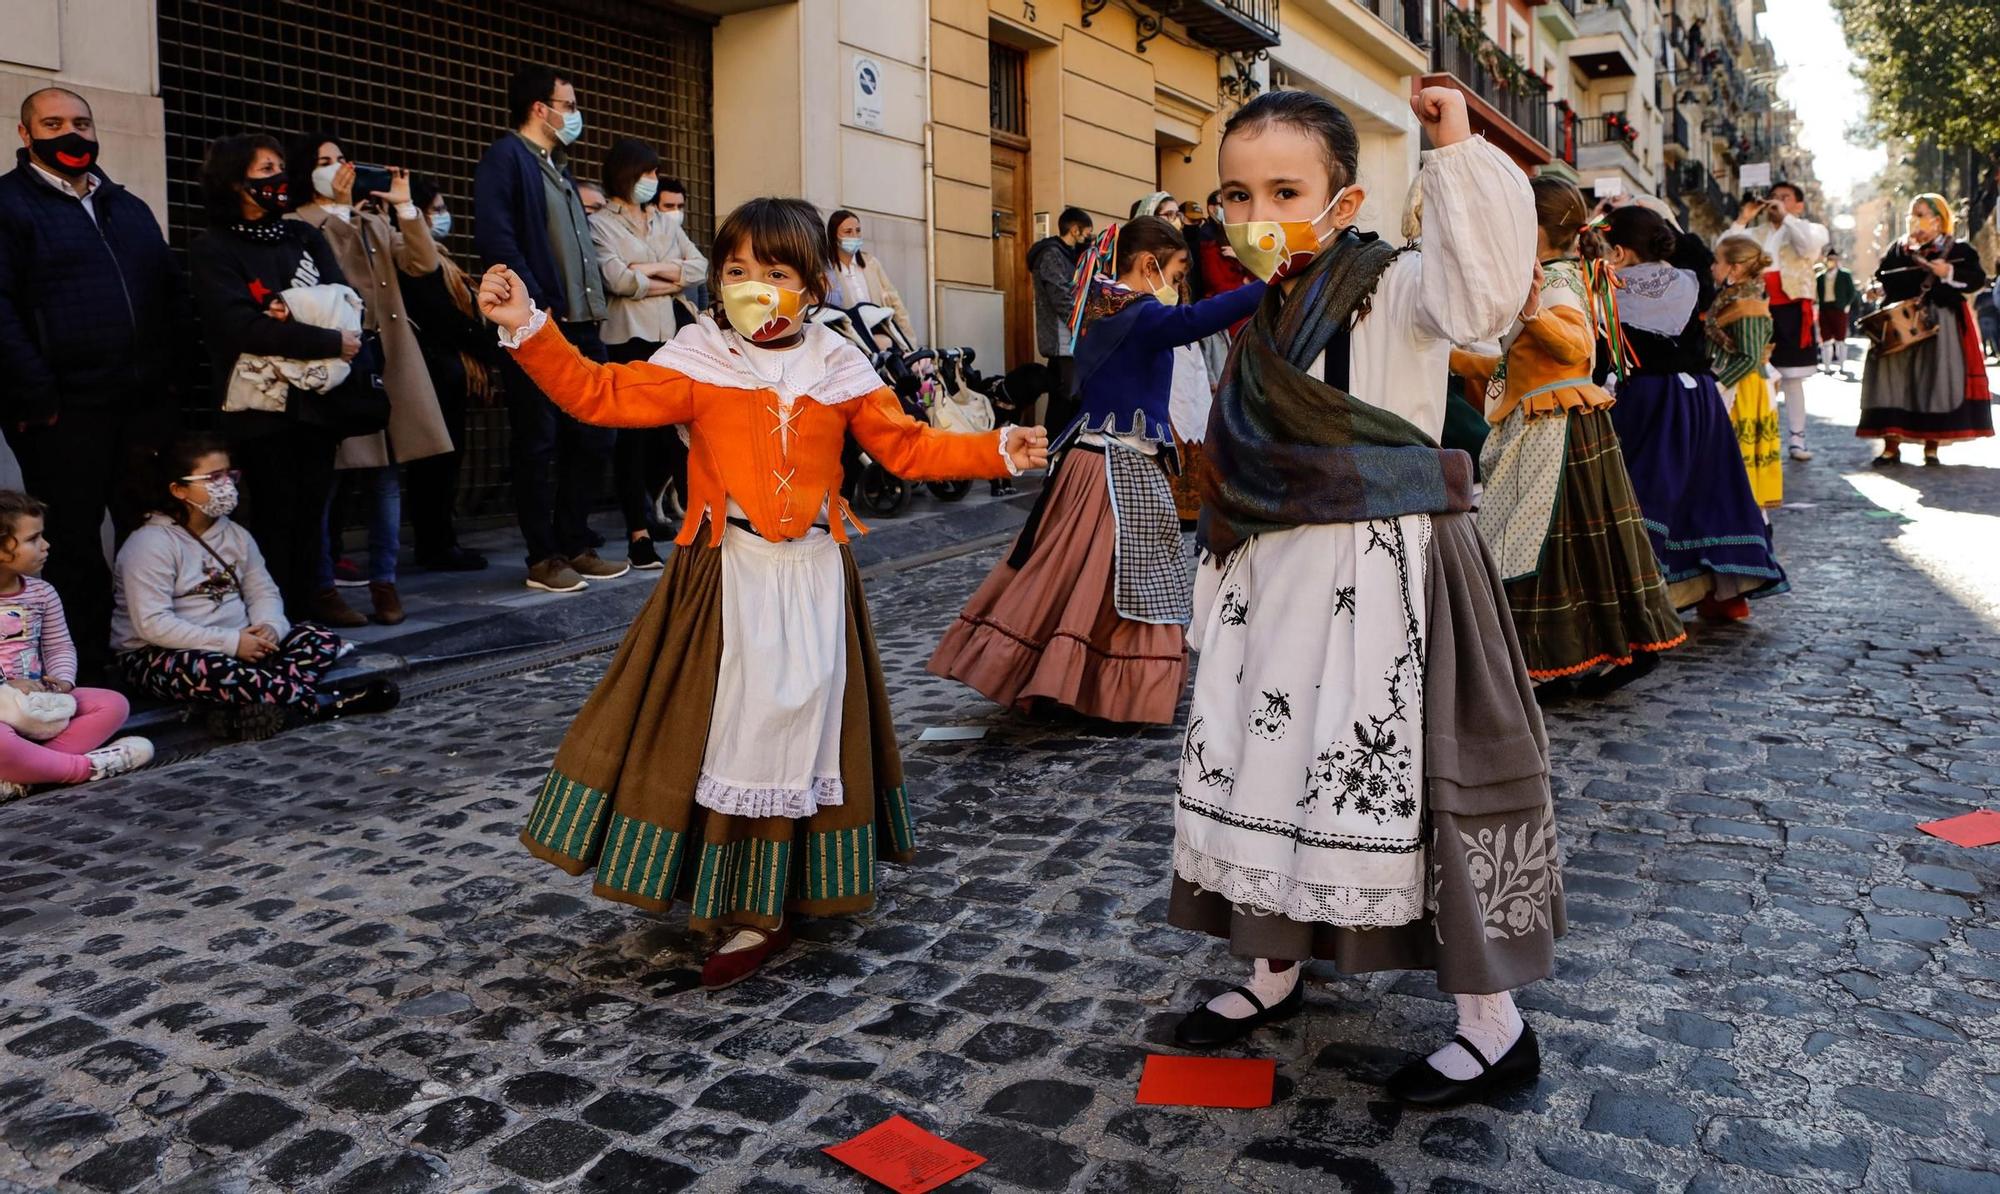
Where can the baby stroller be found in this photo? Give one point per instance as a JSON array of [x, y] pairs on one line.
[[931, 385]]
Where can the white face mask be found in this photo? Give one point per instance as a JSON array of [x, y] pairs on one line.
[[441, 223], [323, 179], [221, 498], [644, 192], [674, 219]]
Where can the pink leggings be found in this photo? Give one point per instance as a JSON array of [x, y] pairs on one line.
[[60, 760]]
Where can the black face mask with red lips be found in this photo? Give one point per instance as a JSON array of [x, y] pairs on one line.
[[71, 153]]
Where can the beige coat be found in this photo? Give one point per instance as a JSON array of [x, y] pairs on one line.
[[371, 250], [881, 291]]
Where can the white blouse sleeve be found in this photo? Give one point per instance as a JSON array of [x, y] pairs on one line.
[[1478, 255]]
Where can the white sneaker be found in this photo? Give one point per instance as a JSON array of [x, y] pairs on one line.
[[116, 758]]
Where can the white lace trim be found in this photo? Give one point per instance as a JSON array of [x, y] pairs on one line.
[[1005, 434], [721, 796], [714, 355], [1259, 892], [519, 336]]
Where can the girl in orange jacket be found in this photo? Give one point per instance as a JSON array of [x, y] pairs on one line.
[[758, 633]]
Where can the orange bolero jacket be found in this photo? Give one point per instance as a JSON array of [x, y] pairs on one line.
[[1548, 367], [736, 448]]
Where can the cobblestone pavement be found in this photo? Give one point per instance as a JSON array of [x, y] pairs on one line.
[[323, 961]]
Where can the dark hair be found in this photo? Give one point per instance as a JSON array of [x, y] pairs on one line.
[[1147, 234], [223, 169], [833, 223], [423, 192], [1072, 217], [1213, 196], [302, 158], [28, 104], [777, 232], [166, 467], [629, 158], [1560, 210], [1781, 185], [1318, 118], [674, 185], [15, 506], [532, 84], [1642, 231]]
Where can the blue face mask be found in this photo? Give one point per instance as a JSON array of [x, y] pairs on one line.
[[572, 127], [441, 223], [644, 192], [850, 245]]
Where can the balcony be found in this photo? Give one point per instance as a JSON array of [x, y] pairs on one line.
[[1610, 142], [1557, 17], [1237, 26], [1679, 139], [1411, 18], [1563, 123], [1505, 100], [1607, 43]]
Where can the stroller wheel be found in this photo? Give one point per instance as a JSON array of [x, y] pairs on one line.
[[883, 493], [950, 491]]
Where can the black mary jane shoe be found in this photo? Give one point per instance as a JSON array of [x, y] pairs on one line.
[[1611, 680], [1205, 1029], [1421, 1085]]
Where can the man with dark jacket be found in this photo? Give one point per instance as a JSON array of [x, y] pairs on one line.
[[1052, 263], [93, 314], [527, 215]]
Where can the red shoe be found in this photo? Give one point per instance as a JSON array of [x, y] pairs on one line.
[[1736, 609], [727, 969]]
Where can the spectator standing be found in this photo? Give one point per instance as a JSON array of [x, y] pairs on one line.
[[531, 219], [640, 253], [1794, 244], [855, 278], [671, 201], [375, 254], [1052, 264], [249, 255], [1834, 292], [457, 346], [93, 312], [591, 196]]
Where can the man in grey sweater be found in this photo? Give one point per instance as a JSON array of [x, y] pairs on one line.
[[1052, 262]]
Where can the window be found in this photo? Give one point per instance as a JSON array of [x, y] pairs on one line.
[[1008, 89]]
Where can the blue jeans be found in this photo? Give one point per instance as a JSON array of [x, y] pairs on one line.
[[378, 489]]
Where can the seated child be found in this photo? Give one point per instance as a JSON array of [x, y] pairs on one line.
[[264, 383], [198, 618], [51, 731]]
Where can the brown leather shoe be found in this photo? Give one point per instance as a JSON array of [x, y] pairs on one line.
[[328, 609], [592, 566], [388, 604]]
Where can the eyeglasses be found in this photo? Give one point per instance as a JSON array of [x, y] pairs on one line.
[[564, 106], [230, 475]]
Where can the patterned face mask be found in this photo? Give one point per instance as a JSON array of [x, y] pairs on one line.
[[1276, 249], [761, 312], [221, 498]]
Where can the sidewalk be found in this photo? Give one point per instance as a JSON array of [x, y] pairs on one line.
[[460, 618]]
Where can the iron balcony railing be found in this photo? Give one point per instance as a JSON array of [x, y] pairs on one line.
[[1411, 18], [1609, 129], [1525, 104], [1562, 127], [1680, 131], [1239, 26]]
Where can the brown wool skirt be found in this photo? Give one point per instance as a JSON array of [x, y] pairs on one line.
[[620, 799], [1051, 630], [1494, 900]]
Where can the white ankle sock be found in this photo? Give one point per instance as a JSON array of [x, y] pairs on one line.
[[1491, 1022], [1269, 987]]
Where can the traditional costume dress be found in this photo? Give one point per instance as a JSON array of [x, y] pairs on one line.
[[1935, 390], [1558, 509], [1090, 608], [1739, 341], [1796, 246], [1709, 533], [739, 753], [1365, 775]]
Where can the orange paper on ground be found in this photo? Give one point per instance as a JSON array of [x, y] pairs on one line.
[[1973, 829], [1207, 1081], [904, 1157]]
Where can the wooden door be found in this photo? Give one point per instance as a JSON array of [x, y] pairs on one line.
[[1012, 225]]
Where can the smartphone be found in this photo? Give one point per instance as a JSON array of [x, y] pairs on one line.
[[370, 179]]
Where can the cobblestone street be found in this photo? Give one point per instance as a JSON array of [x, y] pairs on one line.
[[323, 961]]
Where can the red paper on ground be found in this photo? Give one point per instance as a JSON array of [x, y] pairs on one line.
[[1973, 829], [1207, 1081], [904, 1157]]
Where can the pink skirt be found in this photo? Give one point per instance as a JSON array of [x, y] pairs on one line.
[[1050, 630]]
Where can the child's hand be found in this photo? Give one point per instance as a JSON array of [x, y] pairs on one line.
[[1441, 110], [250, 648], [1534, 304], [1028, 447], [266, 633], [26, 685], [503, 298], [58, 686]]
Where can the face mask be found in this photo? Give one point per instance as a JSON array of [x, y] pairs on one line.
[[761, 312], [644, 192], [273, 194], [850, 245], [72, 152], [674, 219], [221, 499], [1168, 294], [572, 127], [323, 179], [1275, 249], [441, 223]]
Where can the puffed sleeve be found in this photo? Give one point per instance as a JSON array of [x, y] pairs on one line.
[[919, 452], [640, 394], [1478, 256]]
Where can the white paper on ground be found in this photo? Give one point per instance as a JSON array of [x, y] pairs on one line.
[[952, 734]]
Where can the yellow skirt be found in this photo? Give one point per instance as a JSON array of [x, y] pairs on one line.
[[1755, 418]]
